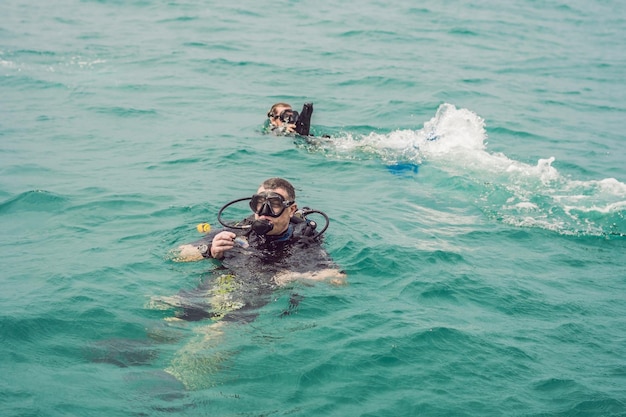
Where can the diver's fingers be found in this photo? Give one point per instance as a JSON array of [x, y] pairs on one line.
[[222, 242], [225, 234]]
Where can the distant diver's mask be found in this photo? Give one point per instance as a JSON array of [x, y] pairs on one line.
[[289, 116], [269, 204]]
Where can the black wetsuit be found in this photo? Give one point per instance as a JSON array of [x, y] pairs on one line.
[[245, 279]]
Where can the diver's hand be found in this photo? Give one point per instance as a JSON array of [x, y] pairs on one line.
[[290, 128], [222, 242]]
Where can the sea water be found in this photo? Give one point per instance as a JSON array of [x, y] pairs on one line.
[[474, 179]]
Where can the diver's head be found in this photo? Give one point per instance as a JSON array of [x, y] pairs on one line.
[[273, 206], [279, 114]]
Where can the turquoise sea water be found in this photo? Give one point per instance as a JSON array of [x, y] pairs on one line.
[[474, 179]]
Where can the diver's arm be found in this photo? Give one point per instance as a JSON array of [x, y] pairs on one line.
[[214, 248], [188, 253], [319, 266]]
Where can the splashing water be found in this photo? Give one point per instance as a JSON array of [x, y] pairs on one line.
[[509, 191]]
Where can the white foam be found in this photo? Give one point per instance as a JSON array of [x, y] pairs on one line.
[[7, 64], [522, 194]]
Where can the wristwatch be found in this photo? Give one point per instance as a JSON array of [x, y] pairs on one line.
[[205, 250]]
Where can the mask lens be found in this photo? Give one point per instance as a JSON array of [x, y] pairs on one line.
[[257, 202], [276, 205]]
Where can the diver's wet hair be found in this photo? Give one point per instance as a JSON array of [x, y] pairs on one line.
[[271, 112], [274, 183]]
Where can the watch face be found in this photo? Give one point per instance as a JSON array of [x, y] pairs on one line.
[[203, 249]]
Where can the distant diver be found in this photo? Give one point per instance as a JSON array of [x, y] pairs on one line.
[[283, 119]]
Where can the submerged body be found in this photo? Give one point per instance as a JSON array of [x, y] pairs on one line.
[[234, 293]]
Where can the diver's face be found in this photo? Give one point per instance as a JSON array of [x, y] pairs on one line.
[[275, 119], [281, 223]]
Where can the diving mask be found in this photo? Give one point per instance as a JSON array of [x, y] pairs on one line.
[[269, 204]]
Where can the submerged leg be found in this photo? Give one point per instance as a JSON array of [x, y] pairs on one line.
[[200, 359]]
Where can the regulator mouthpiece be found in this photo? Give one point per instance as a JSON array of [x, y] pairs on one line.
[[262, 227]]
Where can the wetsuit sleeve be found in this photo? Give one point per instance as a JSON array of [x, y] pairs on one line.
[[204, 245]]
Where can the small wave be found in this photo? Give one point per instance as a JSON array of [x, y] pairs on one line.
[[125, 111], [36, 200], [183, 19]]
